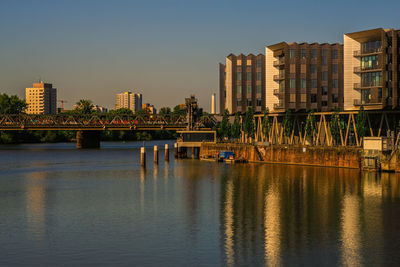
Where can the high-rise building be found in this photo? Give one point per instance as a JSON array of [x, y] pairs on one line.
[[213, 104], [371, 69], [129, 100], [151, 109], [242, 83], [304, 77], [41, 99]]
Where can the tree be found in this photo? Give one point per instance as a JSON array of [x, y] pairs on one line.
[[236, 127], [266, 124], [361, 120], [335, 125], [142, 112], [11, 104], [165, 111], [225, 126], [84, 106], [287, 123], [248, 125], [178, 111], [121, 111], [310, 125]]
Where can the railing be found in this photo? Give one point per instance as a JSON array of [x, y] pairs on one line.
[[278, 92], [367, 85], [279, 62], [360, 69], [359, 102], [359, 53], [279, 77]]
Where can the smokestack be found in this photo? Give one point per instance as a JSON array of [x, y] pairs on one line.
[[213, 104]]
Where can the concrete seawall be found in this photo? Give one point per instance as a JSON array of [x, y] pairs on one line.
[[315, 156]]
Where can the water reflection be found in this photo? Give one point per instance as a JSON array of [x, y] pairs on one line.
[[304, 211], [36, 204]]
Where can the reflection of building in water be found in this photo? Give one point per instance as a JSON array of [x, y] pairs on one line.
[[36, 204], [350, 234], [228, 218], [272, 226]]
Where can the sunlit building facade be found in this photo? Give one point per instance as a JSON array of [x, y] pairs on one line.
[[129, 100], [41, 98]]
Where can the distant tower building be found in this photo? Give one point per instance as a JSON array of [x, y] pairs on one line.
[[41, 99], [213, 104], [129, 100]]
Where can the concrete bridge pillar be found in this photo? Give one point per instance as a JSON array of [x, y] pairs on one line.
[[87, 139]]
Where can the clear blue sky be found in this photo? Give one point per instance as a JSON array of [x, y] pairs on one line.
[[165, 49]]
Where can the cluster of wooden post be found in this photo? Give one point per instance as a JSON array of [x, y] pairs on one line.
[[179, 152], [155, 149]]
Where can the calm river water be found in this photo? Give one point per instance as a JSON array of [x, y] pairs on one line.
[[64, 207]]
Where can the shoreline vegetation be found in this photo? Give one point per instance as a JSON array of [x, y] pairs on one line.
[[14, 105]]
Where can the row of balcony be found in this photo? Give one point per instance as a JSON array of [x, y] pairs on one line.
[[279, 62], [279, 77]]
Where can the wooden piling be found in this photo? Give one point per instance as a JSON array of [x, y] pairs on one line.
[[176, 150], [155, 155], [166, 153], [143, 157]]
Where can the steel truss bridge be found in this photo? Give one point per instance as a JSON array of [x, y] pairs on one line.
[[103, 122]]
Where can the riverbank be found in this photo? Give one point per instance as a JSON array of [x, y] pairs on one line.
[[295, 155]]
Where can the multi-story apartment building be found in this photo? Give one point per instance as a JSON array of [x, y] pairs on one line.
[[242, 83], [41, 99], [304, 77], [151, 109], [371, 69], [129, 100]]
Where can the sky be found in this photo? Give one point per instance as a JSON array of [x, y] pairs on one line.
[[164, 49]]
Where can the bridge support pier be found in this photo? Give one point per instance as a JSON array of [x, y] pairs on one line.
[[87, 139]]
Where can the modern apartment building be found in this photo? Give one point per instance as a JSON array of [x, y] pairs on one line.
[[371, 69], [41, 99], [242, 83], [129, 100], [151, 109], [304, 77]]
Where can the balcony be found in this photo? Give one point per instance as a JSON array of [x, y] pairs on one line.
[[361, 53], [360, 69], [366, 102], [279, 77], [278, 92], [278, 106], [367, 85], [279, 62]]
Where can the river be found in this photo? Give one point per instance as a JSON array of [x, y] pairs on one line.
[[65, 207]]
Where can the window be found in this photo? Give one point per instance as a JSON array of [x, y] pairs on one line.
[[324, 90], [239, 69], [259, 102], [369, 62], [292, 83], [249, 89], [371, 79], [335, 83], [324, 75], [313, 53], [335, 68], [379, 93], [303, 83], [239, 102], [258, 63], [292, 53], [313, 68], [239, 89], [302, 53], [239, 76], [324, 103], [335, 98], [249, 76], [258, 88], [334, 54], [313, 83], [313, 98], [249, 103], [258, 76]]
